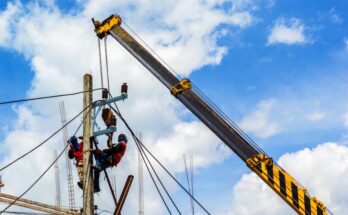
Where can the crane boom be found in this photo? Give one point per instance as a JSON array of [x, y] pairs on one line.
[[259, 162]]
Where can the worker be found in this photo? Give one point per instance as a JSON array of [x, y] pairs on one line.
[[108, 158], [76, 152]]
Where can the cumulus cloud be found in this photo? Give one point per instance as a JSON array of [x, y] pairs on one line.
[[259, 122], [252, 197], [315, 116], [62, 47], [5, 21], [291, 31]]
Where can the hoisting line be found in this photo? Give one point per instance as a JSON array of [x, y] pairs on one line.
[[100, 65]]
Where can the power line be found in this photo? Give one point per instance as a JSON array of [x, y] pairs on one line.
[[25, 213], [142, 145], [37, 180], [36, 147], [46, 97]]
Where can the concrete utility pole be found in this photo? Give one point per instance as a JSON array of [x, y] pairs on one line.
[[88, 201]]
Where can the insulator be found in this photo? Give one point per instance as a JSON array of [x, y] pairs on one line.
[[105, 93], [113, 121], [124, 88]]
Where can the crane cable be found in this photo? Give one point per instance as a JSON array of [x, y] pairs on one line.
[[143, 154], [202, 95], [106, 62], [166, 170], [46, 97], [55, 160], [42, 143], [100, 64], [152, 178]]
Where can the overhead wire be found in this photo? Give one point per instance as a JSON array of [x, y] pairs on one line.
[[100, 64], [106, 62], [42, 143], [143, 153], [48, 168], [153, 180], [166, 170], [203, 96], [46, 97]]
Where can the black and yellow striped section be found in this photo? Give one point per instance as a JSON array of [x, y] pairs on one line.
[[286, 186]]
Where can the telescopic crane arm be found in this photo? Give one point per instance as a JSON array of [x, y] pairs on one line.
[[272, 174]]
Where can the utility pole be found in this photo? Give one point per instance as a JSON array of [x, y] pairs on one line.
[[88, 201]]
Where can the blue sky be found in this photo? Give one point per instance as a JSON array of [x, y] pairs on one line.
[[282, 78]]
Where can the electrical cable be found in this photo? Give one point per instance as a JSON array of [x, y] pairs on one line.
[[207, 100], [46, 97], [100, 64], [36, 147], [153, 180], [106, 62], [25, 213], [55, 160], [133, 134], [171, 199]]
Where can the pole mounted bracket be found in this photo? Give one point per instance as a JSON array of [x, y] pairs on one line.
[[102, 29], [183, 85]]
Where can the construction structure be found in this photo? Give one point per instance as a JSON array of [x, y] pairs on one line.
[[69, 177], [281, 182]]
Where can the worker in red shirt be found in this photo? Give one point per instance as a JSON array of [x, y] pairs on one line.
[[108, 158], [76, 152]]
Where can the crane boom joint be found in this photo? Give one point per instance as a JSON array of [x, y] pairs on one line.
[[183, 85], [102, 29]]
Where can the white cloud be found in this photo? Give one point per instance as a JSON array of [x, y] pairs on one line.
[[345, 119], [316, 116], [62, 47], [334, 17], [288, 32], [5, 21], [259, 121], [252, 197], [346, 44]]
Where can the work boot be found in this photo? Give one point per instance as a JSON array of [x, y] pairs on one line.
[[80, 184]]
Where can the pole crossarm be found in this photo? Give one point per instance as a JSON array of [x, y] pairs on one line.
[[38, 206], [123, 96]]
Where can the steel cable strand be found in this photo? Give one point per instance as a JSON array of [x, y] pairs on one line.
[[106, 62], [212, 104], [100, 65], [153, 169], [224, 116], [42, 143], [153, 180], [55, 160], [47, 97], [124, 121]]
